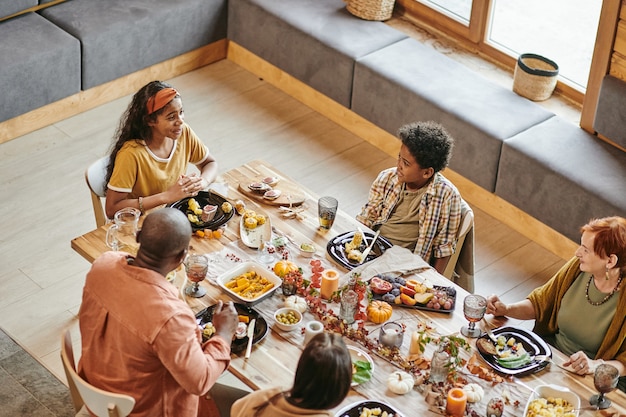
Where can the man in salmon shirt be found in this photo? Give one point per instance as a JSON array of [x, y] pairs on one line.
[[140, 339]]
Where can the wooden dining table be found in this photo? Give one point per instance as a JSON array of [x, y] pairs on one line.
[[273, 360]]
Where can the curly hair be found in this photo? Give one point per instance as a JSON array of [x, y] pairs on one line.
[[429, 143], [134, 122]]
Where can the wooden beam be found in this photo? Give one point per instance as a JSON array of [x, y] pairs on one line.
[[96, 96]]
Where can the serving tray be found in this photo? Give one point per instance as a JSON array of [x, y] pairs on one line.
[[450, 291]]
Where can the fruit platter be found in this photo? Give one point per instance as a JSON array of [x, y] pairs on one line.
[[515, 351], [413, 293]]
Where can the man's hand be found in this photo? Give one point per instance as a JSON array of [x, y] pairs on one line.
[[225, 320]]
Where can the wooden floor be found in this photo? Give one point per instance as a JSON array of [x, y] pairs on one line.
[[45, 202]]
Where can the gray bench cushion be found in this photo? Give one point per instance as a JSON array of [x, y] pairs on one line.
[[9, 7], [563, 176], [610, 118], [40, 64], [120, 37], [407, 82], [316, 41]]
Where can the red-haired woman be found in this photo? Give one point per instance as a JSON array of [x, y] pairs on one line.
[[582, 308]]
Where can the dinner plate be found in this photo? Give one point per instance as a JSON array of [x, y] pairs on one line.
[[357, 354], [252, 238], [532, 343], [238, 345], [336, 248], [203, 198], [355, 409]]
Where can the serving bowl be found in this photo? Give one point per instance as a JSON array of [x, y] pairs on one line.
[[245, 270], [291, 312], [555, 392], [307, 249]]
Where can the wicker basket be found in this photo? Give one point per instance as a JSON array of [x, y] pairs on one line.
[[371, 9], [535, 77]]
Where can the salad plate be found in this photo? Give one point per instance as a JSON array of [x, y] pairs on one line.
[[532, 344], [252, 237], [362, 365], [245, 313], [205, 198]]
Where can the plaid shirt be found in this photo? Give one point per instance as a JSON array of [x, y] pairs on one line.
[[439, 212]]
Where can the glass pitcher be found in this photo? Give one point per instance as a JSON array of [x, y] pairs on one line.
[[122, 235]]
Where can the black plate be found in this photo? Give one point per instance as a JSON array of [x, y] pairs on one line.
[[355, 410], [203, 198], [238, 345], [533, 344], [336, 248], [451, 291]]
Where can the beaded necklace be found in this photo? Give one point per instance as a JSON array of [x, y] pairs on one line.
[[608, 296]]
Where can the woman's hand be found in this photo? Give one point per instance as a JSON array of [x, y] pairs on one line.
[[496, 307], [186, 186], [580, 363]]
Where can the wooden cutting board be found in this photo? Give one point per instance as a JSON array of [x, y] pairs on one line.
[[287, 188]]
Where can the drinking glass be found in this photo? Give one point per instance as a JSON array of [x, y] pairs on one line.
[[605, 380], [122, 234], [474, 308], [327, 210], [197, 267]]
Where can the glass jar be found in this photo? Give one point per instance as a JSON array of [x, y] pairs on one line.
[[289, 286], [439, 366], [348, 306]]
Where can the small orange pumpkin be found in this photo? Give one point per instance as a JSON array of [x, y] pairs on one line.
[[379, 311], [283, 267]]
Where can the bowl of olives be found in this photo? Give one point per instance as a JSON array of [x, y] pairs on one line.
[[287, 318]]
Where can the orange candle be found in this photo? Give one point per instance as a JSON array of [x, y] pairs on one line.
[[457, 401], [330, 283]]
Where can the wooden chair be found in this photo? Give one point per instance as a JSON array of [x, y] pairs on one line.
[[86, 396], [94, 176], [460, 268]]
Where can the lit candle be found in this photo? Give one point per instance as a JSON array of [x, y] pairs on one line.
[[330, 283], [456, 402]]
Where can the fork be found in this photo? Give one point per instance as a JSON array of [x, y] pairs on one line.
[[493, 338]]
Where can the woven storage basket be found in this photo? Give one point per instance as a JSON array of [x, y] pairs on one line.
[[535, 77], [371, 9]]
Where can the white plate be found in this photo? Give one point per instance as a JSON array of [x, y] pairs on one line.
[[554, 391], [252, 237], [242, 268], [358, 355]]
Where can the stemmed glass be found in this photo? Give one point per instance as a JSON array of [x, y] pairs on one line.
[[605, 380], [474, 308], [197, 267]]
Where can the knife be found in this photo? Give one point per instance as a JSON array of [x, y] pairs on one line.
[[250, 337], [369, 248]]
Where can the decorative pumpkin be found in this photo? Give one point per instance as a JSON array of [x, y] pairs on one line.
[[297, 303], [283, 267], [379, 311], [400, 382], [474, 392]]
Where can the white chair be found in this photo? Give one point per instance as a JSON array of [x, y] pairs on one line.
[[460, 268], [86, 396], [94, 176]]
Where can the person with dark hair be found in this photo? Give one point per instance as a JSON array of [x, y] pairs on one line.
[[322, 381], [153, 146], [139, 338], [582, 309], [414, 205]]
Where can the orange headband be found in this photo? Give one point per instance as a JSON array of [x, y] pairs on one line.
[[160, 99]]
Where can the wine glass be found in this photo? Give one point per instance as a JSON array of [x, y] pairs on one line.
[[197, 267], [474, 308], [605, 380]]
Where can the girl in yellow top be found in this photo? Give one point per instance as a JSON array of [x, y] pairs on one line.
[[148, 162]]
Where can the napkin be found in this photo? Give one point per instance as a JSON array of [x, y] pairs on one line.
[[395, 259]]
